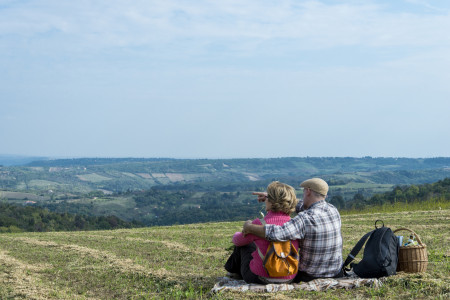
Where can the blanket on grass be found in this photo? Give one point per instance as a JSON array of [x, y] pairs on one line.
[[348, 282]]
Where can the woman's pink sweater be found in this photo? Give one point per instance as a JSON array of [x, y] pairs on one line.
[[256, 265]]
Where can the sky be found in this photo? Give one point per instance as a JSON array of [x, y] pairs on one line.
[[225, 79]]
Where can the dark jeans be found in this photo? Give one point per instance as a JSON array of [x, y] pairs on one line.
[[239, 262], [305, 277]]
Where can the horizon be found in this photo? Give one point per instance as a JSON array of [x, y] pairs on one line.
[[208, 79], [200, 158]]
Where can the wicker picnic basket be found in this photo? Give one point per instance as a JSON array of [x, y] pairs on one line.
[[412, 258]]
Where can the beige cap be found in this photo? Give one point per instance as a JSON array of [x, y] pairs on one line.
[[317, 185]]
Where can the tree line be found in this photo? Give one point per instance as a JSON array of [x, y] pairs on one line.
[[15, 218], [400, 193]]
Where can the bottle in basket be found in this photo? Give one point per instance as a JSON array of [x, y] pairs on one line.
[[411, 241]]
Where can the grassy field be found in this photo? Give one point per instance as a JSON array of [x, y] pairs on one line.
[[180, 262], [12, 196]]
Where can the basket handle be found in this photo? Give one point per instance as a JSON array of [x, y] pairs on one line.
[[415, 234]]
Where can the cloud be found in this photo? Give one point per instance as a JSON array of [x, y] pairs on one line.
[[311, 24], [426, 4]]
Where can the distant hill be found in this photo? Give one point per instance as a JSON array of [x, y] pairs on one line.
[[18, 160], [164, 191], [114, 175], [70, 162]]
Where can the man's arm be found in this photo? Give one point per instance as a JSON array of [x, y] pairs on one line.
[[257, 230], [291, 230]]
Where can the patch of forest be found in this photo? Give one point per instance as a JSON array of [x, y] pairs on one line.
[[14, 218], [400, 193]]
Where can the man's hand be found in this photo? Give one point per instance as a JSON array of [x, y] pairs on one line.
[[257, 230], [261, 196], [246, 227]]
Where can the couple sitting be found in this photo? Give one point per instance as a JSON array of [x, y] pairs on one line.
[[315, 232]]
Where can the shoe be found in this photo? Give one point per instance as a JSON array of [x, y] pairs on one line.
[[234, 276]]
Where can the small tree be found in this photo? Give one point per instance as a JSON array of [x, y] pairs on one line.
[[338, 201]]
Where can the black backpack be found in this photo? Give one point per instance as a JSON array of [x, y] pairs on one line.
[[380, 254]]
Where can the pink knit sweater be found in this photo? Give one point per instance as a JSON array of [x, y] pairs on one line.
[[256, 265]]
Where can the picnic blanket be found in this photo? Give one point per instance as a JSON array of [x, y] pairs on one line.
[[348, 282]]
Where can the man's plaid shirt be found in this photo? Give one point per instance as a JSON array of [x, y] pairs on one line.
[[318, 230]]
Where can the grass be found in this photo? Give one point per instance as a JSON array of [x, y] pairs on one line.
[[43, 184], [21, 196], [95, 178], [430, 204], [350, 189], [180, 262]]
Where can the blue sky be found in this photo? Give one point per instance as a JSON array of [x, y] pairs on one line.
[[225, 79]]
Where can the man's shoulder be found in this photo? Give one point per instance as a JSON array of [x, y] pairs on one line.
[[334, 210], [331, 205], [323, 204], [321, 209]]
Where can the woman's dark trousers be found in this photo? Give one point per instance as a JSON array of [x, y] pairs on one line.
[[239, 263]]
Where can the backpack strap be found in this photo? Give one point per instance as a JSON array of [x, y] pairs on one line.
[[355, 251], [263, 222]]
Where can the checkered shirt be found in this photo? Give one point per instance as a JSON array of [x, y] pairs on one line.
[[318, 230]]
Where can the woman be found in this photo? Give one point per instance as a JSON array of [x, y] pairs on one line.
[[245, 260]]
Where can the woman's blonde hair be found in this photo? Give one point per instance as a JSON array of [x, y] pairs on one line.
[[282, 197]]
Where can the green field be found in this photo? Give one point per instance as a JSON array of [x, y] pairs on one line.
[[350, 189], [21, 196], [93, 177], [185, 261]]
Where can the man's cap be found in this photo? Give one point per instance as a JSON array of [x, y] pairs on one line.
[[317, 185]]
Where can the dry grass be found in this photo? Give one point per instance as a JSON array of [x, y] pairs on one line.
[[185, 261]]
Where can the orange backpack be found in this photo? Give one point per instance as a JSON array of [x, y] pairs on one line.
[[281, 258]]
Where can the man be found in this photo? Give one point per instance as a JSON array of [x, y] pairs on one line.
[[318, 229]]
